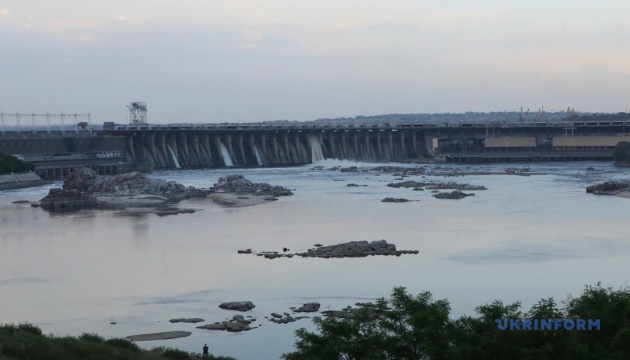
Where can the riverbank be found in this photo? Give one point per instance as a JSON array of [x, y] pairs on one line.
[[20, 181]]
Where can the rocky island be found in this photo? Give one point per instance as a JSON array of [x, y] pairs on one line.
[[618, 188], [84, 189], [237, 191], [345, 250], [137, 193]]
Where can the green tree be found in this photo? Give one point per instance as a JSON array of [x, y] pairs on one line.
[[11, 164], [408, 327], [405, 327], [612, 307]]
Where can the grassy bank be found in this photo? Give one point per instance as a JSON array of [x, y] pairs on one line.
[[25, 341]]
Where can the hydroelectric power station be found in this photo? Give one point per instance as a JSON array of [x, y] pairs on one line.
[[115, 148]]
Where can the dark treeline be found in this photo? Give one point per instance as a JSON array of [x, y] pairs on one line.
[[11, 164], [25, 341], [418, 327], [622, 153]]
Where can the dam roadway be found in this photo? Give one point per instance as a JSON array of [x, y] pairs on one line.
[[117, 148]]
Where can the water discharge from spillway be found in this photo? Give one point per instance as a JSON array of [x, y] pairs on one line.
[[225, 154], [170, 150], [258, 156], [316, 148]]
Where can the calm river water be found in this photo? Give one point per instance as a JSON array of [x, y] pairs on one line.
[[522, 239]]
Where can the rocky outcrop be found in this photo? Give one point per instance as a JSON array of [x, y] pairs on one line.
[[279, 319], [395, 200], [455, 195], [308, 307], [238, 305], [60, 199], [349, 249], [356, 249], [609, 188], [188, 321], [238, 184], [373, 311], [238, 323], [437, 186], [83, 188]]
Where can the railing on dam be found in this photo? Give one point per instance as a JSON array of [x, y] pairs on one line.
[[354, 126]]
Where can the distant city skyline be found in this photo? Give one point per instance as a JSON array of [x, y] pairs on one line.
[[254, 60]]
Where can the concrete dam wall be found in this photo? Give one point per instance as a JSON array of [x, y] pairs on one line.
[[201, 148]]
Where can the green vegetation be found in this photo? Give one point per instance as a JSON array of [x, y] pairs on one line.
[[622, 152], [25, 341], [404, 327], [408, 327], [11, 164]]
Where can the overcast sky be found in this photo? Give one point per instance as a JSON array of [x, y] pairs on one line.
[[254, 60]]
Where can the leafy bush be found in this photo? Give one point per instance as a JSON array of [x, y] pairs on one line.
[[420, 328], [92, 338], [123, 344], [175, 354]]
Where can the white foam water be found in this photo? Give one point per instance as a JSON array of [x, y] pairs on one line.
[[316, 149], [170, 150], [258, 156], [225, 154]]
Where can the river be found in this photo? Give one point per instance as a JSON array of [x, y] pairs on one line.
[[524, 238]]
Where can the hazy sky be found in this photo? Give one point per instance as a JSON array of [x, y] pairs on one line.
[[253, 60]]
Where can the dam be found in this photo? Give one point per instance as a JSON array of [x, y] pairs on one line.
[[115, 148]]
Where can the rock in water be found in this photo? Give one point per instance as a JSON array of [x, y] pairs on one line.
[[609, 188], [308, 307], [395, 200], [238, 184], [83, 186], [452, 195], [238, 305]]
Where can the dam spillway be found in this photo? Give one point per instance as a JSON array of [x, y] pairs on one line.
[[203, 148]]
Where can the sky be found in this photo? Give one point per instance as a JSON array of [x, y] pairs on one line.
[[214, 61]]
